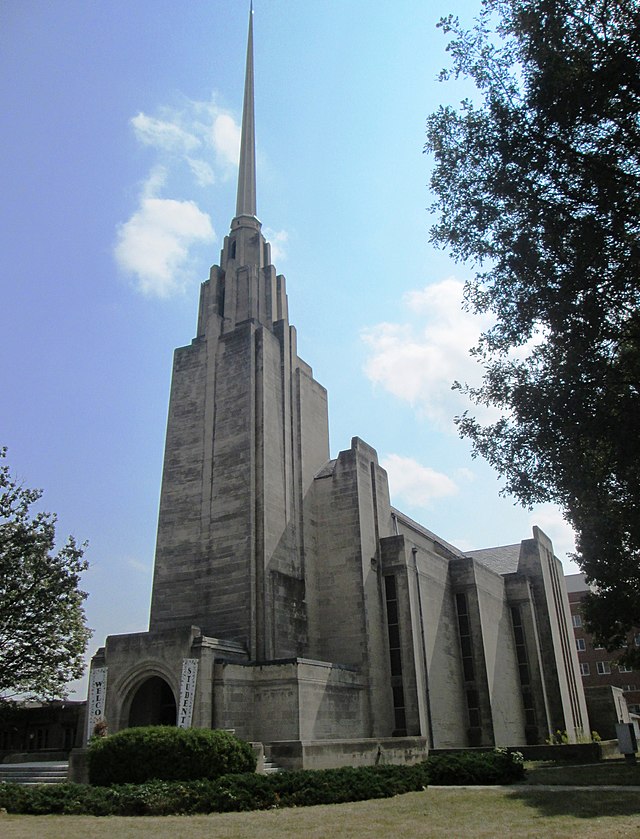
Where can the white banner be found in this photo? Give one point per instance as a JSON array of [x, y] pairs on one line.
[[187, 691], [97, 698]]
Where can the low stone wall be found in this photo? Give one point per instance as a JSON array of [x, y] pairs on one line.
[[331, 754], [79, 766]]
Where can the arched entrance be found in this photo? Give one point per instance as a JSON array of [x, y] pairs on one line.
[[153, 704]]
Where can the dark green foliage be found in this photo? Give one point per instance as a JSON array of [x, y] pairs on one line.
[[537, 185], [137, 755], [335, 786], [475, 768], [234, 793], [42, 624]]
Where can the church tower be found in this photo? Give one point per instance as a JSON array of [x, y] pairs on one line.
[[247, 431], [291, 603]]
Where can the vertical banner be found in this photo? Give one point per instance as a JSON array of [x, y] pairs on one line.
[[97, 697], [187, 691]]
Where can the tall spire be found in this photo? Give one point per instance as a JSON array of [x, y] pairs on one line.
[[246, 203]]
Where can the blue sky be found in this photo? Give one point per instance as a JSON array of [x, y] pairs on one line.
[[120, 133]]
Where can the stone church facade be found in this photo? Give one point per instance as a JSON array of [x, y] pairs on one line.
[[291, 602]]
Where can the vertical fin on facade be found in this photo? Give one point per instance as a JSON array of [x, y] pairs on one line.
[[246, 202]]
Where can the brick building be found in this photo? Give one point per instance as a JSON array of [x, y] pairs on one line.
[[599, 667]]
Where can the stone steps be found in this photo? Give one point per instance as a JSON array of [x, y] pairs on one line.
[[270, 768], [43, 772]]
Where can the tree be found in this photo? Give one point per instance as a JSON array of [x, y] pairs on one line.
[[43, 635], [537, 185]]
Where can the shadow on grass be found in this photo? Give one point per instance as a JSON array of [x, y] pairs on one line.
[[583, 804]]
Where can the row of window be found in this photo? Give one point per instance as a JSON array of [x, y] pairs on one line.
[[581, 646], [577, 623], [603, 668]]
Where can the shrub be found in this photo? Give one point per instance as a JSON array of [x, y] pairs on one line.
[[137, 755], [496, 767], [233, 793]]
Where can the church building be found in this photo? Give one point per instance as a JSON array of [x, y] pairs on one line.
[[291, 601]]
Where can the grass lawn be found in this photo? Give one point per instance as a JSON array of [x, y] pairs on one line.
[[433, 813]]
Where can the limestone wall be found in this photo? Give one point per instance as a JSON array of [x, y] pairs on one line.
[[564, 690], [331, 754], [503, 681], [288, 700]]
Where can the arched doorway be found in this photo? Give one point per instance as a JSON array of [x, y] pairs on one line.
[[153, 704]]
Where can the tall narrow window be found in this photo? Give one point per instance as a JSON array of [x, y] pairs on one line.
[[473, 706], [395, 655], [466, 646], [524, 673]]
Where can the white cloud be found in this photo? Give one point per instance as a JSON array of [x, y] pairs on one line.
[[278, 240], [202, 172], [199, 127], [154, 183], [226, 138], [163, 134], [196, 145], [154, 244], [418, 360], [414, 483]]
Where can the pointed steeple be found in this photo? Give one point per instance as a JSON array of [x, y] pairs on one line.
[[246, 203]]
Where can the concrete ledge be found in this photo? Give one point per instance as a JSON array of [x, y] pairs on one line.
[[331, 754], [34, 757]]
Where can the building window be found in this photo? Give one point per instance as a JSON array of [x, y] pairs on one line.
[[598, 647], [580, 645], [622, 668], [473, 706], [627, 688], [521, 647], [69, 736], [603, 668], [39, 739], [585, 670], [395, 656], [464, 627], [576, 620], [523, 669], [636, 639]]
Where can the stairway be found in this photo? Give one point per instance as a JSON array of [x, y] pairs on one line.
[[270, 768], [42, 772]]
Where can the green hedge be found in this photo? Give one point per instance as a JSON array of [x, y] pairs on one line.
[[234, 793], [166, 753], [469, 768]]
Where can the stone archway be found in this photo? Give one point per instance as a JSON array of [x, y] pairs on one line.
[[153, 704]]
